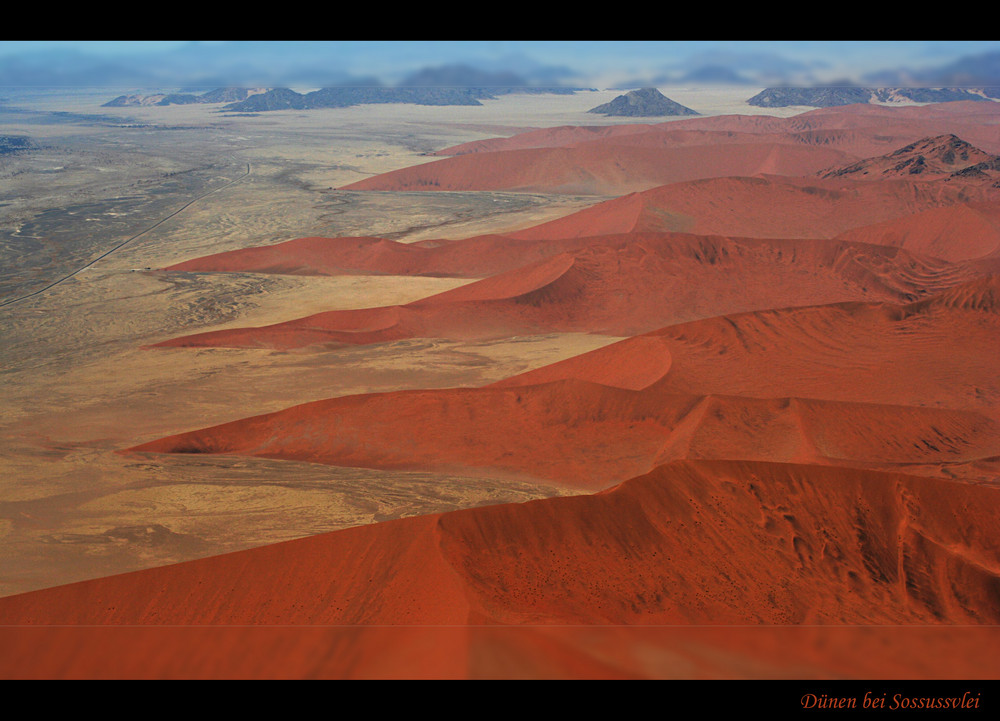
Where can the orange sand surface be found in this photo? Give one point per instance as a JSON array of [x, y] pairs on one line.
[[689, 544], [622, 285], [849, 383]]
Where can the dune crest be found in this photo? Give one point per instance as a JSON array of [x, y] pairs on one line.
[[620, 285], [764, 207]]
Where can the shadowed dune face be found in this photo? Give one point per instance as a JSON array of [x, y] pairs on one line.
[[623, 285], [935, 353]]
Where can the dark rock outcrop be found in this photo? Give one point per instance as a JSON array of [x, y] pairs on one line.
[[831, 96], [646, 102]]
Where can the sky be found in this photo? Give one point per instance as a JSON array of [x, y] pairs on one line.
[[599, 63]]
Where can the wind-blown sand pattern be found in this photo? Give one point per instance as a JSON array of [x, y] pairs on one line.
[[740, 420]]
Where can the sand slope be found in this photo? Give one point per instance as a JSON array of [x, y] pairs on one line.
[[803, 545], [603, 168], [622, 285], [939, 352], [474, 257], [862, 130], [803, 652], [954, 233], [586, 435], [766, 207], [852, 383], [631, 158]]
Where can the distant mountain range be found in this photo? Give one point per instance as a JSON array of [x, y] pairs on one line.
[[342, 97], [445, 85], [829, 96], [219, 95], [645, 102], [283, 98]]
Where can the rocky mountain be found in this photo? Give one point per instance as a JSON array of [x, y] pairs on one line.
[[218, 95], [829, 96], [342, 97], [928, 95], [937, 157], [645, 102], [346, 96], [124, 101], [229, 95], [447, 85], [275, 99], [988, 170]]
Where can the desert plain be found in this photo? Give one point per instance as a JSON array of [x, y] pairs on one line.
[[510, 391]]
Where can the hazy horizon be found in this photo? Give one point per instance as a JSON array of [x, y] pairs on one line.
[[602, 64]]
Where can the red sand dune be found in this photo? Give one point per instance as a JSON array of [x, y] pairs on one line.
[[617, 285], [550, 138], [313, 256], [975, 122], [500, 652], [587, 436], [604, 168], [475, 257], [765, 207], [710, 543], [939, 352], [631, 158], [805, 545], [954, 233], [863, 130], [853, 143], [846, 384]]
